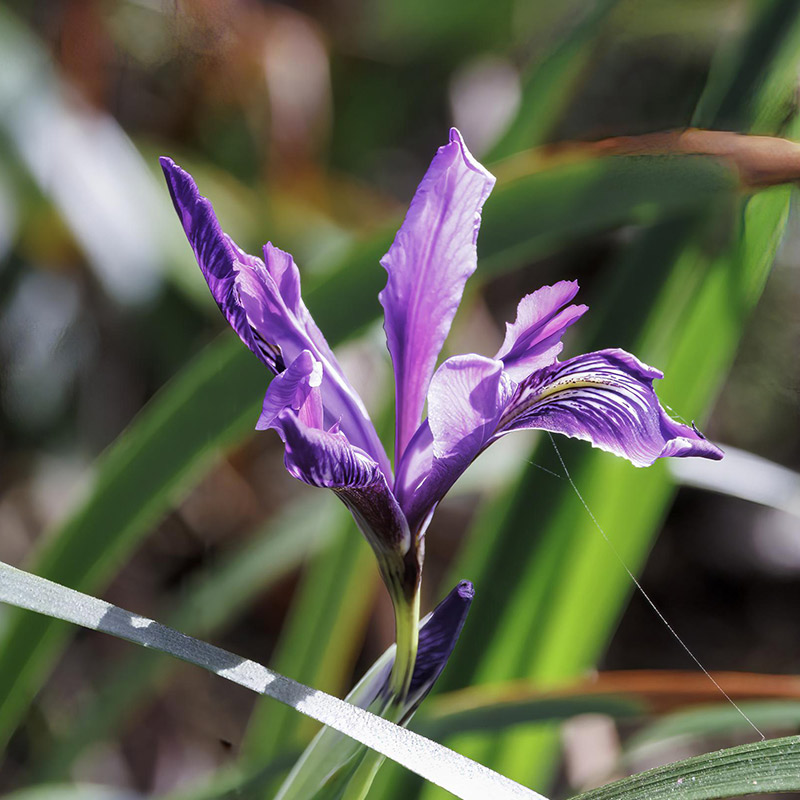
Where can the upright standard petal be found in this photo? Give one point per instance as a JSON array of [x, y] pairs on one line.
[[262, 301], [605, 398], [467, 397], [533, 340], [428, 264]]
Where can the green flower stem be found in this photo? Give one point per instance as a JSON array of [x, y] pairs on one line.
[[406, 619], [406, 616]]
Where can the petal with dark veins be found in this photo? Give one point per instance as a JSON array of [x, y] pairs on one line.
[[606, 398]]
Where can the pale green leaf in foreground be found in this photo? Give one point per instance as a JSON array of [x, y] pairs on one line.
[[459, 775]]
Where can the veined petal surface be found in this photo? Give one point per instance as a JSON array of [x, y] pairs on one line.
[[262, 302], [296, 388], [328, 460], [605, 398], [533, 340], [219, 258], [429, 262], [467, 397]]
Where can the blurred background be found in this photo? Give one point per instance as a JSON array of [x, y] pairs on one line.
[[129, 465]]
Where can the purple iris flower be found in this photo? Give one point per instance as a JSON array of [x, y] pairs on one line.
[[605, 397]]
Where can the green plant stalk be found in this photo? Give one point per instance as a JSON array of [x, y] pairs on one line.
[[406, 620]]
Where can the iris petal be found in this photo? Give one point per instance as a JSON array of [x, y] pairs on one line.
[[328, 460], [606, 398], [296, 388], [533, 340], [262, 302], [428, 264], [467, 397]]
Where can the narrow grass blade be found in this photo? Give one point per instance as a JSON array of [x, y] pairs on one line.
[[460, 776]]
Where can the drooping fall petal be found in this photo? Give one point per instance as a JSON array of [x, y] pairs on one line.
[[605, 398], [328, 460], [428, 264]]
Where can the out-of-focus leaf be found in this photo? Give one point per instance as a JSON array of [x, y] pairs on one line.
[[735, 97], [548, 85], [459, 776], [619, 694], [440, 719], [758, 160], [746, 476], [770, 766], [300, 530], [85, 162], [693, 723]]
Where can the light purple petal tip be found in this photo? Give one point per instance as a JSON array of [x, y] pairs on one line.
[[533, 340], [606, 398], [428, 264]]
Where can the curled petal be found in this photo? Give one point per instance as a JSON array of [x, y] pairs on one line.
[[428, 264], [467, 397], [606, 398], [296, 388], [262, 302], [533, 340], [328, 460]]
